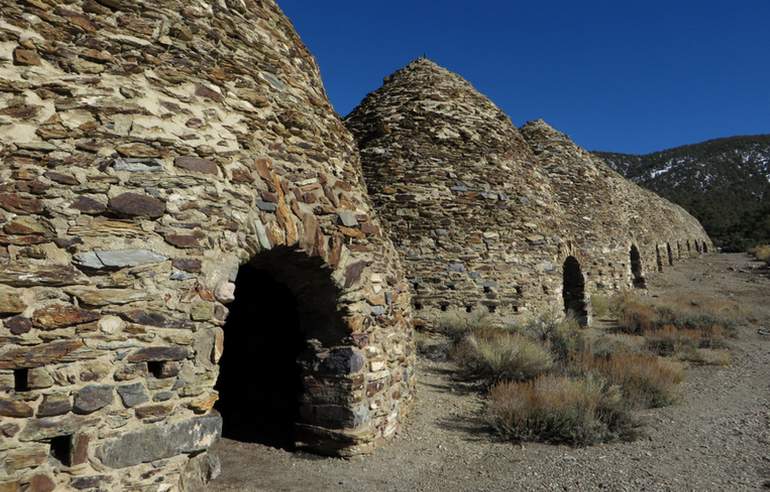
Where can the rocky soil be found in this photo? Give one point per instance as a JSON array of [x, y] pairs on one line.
[[716, 438]]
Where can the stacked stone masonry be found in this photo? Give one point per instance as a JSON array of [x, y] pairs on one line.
[[486, 215], [148, 150]]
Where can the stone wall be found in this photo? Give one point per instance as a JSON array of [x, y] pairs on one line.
[[476, 222], [148, 149], [608, 214], [486, 215]]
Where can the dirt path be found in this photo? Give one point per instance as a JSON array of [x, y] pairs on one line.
[[716, 438]]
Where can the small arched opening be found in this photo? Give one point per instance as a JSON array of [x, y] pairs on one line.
[[573, 291], [637, 278], [670, 254], [689, 248], [658, 259], [282, 324], [705, 247], [697, 247]]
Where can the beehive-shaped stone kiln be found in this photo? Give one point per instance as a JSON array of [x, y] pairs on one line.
[[487, 216], [609, 216], [149, 151], [474, 218]]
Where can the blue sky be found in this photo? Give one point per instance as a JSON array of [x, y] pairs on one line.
[[615, 75]]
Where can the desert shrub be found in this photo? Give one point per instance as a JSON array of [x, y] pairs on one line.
[[600, 305], [561, 336], [634, 316], [579, 411], [637, 316], [761, 252], [671, 341], [647, 381], [498, 354], [611, 343], [456, 324], [708, 357]]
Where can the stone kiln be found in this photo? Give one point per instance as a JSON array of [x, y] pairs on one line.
[[491, 218], [149, 151], [476, 222], [620, 232]]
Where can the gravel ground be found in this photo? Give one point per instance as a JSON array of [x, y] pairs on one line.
[[716, 438]]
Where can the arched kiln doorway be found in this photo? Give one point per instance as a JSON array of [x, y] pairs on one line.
[[282, 327], [573, 291], [658, 259], [670, 254], [637, 278]]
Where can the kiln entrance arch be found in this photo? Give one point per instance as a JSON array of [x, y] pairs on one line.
[[573, 291], [705, 247], [284, 314], [670, 254], [658, 259], [636, 268]]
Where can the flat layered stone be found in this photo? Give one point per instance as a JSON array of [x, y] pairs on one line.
[[132, 205], [18, 325], [92, 398], [191, 265], [196, 164], [53, 405], [39, 355], [88, 205], [14, 408], [122, 258], [159, 441], [105, 297], [153, 412], [48, 427], [11, 301], [347, 218], [25, 225], [32, 275], [20, 204], [23, 56], [137, 165], [183, 241], [133, 394], [137, 150], [165, 353], [159, 320], [20, 459], [58, 316], [62, 178], [39, 378], [95, 482]]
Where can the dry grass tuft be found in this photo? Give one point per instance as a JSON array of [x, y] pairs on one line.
[[647, 381], [600, 305], [761, 252], [456, 324], [497, 354], [579, 411], [708, 357], [638, 316], [561, 336]]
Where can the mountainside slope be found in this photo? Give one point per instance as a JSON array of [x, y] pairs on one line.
[[725, 183]]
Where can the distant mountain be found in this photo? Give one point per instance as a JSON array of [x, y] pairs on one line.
[[725, 183]]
